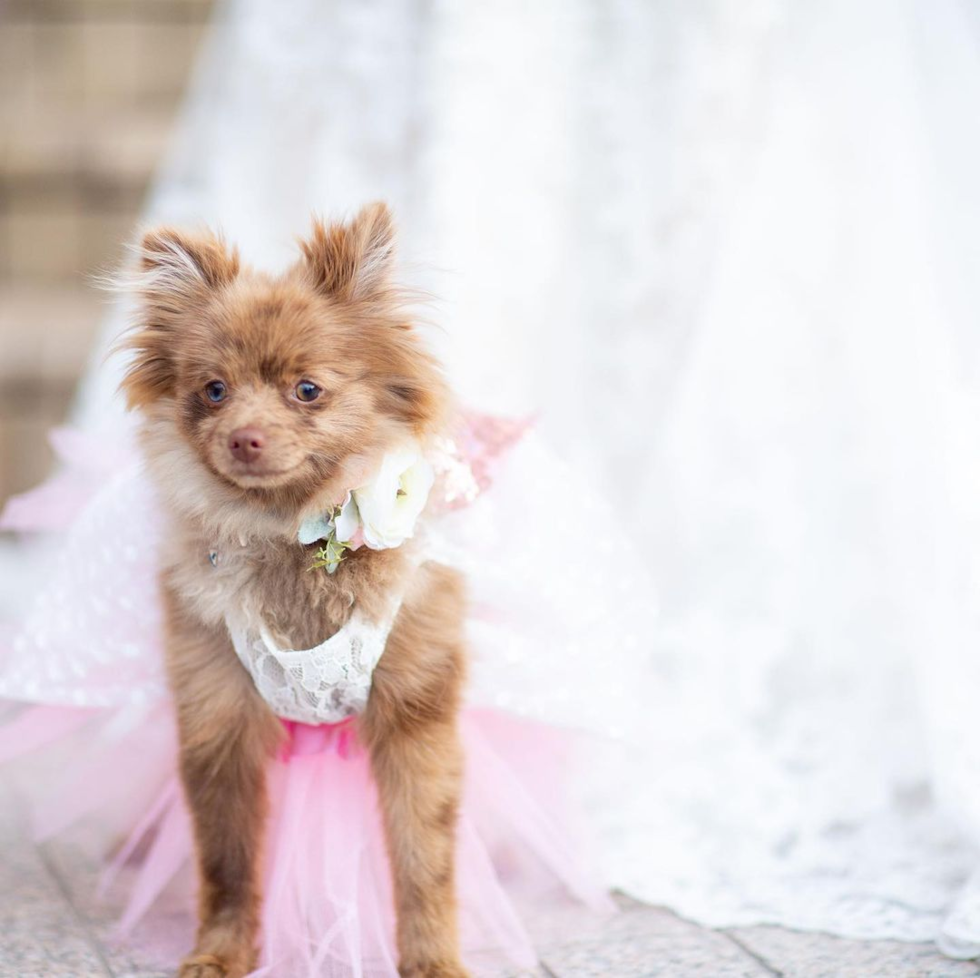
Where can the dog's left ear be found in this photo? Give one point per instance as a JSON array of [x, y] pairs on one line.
[[352, 261]]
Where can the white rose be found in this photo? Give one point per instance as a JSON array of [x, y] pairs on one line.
[[390, 504]]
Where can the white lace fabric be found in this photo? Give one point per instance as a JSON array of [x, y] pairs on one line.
[[325, 684]]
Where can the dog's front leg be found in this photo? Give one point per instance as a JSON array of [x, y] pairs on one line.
[[411, 727], [227, 734], [418, 786]]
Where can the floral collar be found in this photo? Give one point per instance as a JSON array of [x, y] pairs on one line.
[[380, 514]]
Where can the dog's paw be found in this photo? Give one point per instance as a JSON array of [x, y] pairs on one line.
[[209, 966], [433, 969]]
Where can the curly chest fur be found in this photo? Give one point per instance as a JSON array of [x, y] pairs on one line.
[[274, 579]]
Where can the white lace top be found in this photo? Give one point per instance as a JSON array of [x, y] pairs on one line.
[[325, 684]]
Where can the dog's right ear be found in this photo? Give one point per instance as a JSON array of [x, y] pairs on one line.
[[176, 273]]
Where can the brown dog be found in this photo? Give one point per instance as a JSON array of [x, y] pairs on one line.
[[263, 398]]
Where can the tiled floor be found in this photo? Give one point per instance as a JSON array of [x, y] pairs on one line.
[[51, 927]]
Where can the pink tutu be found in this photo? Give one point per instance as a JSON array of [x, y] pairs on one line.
[[86, 662]]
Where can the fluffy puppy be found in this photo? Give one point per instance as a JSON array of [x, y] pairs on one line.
[[263, 400]]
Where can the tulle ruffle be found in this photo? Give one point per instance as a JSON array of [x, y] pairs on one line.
[[328, 908]]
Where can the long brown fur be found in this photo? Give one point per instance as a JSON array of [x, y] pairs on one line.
[[334, 319]]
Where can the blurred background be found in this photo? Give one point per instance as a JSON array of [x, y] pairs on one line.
[[88, 93]]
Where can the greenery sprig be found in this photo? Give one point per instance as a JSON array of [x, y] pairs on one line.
[[329, 555]]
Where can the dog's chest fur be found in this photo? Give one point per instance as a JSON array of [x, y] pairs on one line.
[[258, 563], [273, 578]]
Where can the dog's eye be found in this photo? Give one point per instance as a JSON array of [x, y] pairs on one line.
[[307, 391], [216, 391]]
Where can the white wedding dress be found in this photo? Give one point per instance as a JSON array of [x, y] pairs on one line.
[[728, 251]]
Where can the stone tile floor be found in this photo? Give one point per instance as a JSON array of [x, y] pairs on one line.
[[51, 927]]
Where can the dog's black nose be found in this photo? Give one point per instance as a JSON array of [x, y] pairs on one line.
[[246, 444]]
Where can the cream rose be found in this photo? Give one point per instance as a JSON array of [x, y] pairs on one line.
[[380, 514], [390, 504]]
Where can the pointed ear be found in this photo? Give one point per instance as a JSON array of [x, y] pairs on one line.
[[176, 272], [178, 265], [352, 261]]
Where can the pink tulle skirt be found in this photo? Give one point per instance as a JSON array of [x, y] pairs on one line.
[[328, 909]]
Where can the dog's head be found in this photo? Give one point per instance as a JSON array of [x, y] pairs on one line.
[[282, 386]]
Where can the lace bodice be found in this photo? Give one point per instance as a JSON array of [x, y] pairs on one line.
[[325, 684]]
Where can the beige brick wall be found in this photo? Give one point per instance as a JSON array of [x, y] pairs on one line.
[[88, 92]]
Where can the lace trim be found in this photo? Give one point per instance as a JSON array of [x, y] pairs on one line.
[[325, 684]]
